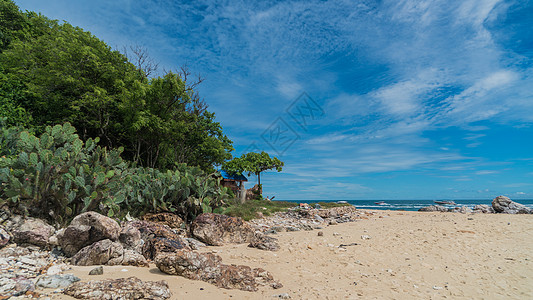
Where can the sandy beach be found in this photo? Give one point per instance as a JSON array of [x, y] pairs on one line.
[[396, 255]]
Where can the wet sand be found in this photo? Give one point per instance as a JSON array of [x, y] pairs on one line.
[[408, 255]]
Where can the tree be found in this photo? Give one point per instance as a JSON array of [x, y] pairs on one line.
[[253, 163]]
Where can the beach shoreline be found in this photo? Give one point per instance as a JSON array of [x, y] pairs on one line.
[[387, 255]]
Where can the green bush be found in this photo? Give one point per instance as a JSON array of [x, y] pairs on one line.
[[57, 176]]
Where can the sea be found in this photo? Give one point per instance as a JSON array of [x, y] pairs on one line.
[[412, 205]]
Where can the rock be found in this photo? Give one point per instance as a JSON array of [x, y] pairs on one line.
[[56, 269], [97, 271], [130, 237], [319, 218], [483, 208], [56, 281], [208, 267], [318, 206], [264, 242], [217, 230], [462, 210], [333, 222], [169, 219], [195, 244], [434, 208], [365, 237], [33, 231], [282, 296], [23, 285], [86, 229], [150, 230], [99, 253], [157, 245], [4, 237], [130, 288], [278, 228], [130, 258], [320, 233], [253, 193], [292, 228], [502, 204]]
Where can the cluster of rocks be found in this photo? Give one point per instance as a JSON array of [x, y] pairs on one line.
[[34, 254], [500, 204]]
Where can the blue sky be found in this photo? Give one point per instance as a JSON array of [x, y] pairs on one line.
[[400, 99]]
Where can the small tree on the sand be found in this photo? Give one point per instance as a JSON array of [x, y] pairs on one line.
[[253, 163]]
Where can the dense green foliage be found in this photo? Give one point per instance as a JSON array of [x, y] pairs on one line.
[[58, 176], [253, 163], [54, 72]]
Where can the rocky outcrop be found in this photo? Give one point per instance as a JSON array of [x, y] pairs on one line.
[[483, 208], [123, 288], [32, 231], [169, 219], [86, 229], [217, 230], [434, 208], [154, 246], [461, 209], [502, 204], [208, 267], [107, 252], [264, 242], [130, 238], [56, 281], [149, 230]]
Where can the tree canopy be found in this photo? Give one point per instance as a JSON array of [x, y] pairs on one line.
[[54, 72], [253, 163]]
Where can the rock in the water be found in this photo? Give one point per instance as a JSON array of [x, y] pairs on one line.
[[99, 253], [208, 267], [461, 209], [86, 229], [217, 230], [97, 271], [33, 231], [157, 245], [169, 219], [4, 237], [483, 208], [123, 288], [433, 208], [264, 242], [502, 204], [56, 281]]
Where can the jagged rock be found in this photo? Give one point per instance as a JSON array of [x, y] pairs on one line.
[[56, 281], [502, 204], [130, 237], [150, 230], [23, 285], [195, 244], [217, 230], [264, 242], [433, 208], [99, 253], [4, 237], [483, 208], [107, 252], [169, 219], [208, 267], [33, 231], [97, 271], [153, 246], [461, 209], [86, 229], [7, 285], [130, 288]]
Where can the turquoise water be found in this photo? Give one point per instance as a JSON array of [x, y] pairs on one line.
[[412, 204]]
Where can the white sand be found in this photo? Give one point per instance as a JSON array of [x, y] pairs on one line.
[[410, 255]]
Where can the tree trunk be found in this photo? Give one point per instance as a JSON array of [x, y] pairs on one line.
[[259, 182]]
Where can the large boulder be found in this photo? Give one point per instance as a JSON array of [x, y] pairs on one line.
[[107, 252], [33, 231], [156, 245], [208, 267], [86, 229], [434, 208], [130, 288], [56, 281], [502, 204], [130, 238], [149, 230], [217, 230], [483, 208]]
